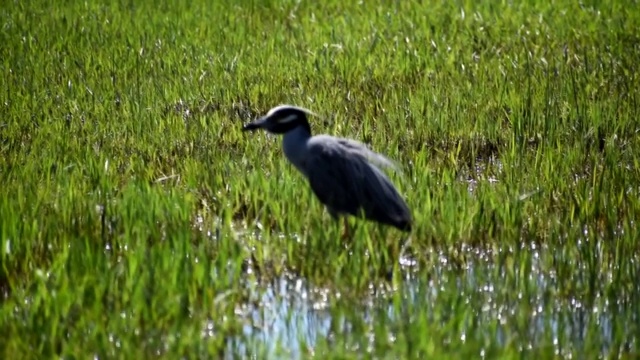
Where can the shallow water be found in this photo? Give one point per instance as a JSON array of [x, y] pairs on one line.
[[290, 316]]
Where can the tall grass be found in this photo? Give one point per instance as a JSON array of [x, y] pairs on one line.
[[136, 219]]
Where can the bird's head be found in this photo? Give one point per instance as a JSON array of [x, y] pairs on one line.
[[281, 119]]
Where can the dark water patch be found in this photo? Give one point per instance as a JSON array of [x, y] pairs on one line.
[[239, 110]]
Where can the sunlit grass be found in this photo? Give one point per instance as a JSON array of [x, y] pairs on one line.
[[136, 219]]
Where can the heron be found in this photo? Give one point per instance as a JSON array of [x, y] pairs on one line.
[[344, 174]]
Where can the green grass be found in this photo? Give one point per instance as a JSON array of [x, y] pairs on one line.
[[135, 215]]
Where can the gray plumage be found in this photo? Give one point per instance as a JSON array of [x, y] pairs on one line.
[[341, 172]]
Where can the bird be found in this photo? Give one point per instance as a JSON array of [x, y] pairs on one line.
[[344, 174]]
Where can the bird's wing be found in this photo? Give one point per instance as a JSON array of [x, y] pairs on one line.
[[333, 178], [372, 156], [343, 179]]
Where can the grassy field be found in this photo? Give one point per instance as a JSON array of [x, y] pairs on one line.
[[137, 220]]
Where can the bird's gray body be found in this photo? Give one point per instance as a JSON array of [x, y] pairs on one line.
[[341, 172]]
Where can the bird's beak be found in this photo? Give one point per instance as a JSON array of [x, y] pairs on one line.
[[257, 124]]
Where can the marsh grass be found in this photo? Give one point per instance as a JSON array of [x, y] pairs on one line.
[[137, 220]]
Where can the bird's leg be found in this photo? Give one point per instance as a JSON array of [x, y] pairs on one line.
[[346, 233]]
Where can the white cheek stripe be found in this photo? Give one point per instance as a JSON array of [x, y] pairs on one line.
[[288, 119]]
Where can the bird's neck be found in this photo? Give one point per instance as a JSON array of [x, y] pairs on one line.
[[294, 144]]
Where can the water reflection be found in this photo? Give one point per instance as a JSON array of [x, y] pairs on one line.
[[289, 316]]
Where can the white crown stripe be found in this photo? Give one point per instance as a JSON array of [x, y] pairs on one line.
[[282, 107]]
